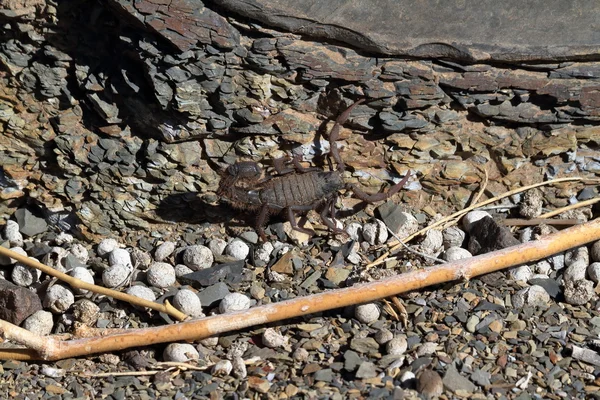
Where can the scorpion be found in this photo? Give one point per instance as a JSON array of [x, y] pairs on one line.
[[295, 189]]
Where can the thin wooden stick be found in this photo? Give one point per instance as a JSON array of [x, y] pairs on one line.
[[571, 207], [363, 293], [79, 284], [539, 221]]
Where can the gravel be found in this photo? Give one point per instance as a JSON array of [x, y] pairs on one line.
[[234, 302], [367, 313], [116, 275], [187, 302], [161, 275], [198, 257]]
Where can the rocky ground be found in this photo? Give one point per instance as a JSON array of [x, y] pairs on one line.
[[115, 123]]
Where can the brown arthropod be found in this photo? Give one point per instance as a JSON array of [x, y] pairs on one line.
[[294, 189]]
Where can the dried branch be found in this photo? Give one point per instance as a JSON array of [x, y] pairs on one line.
[[51, 349]]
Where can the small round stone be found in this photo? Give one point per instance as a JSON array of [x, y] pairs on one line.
[[354, 231], [593, 271], [198, 257], [63, 238], [301, 354], [580, 254], [408, 224], [54, 258], [217, 246], [106, 246], [375, 232], [453, 237], [12, 233], [222, 368], [18, 250], [455, 254], [86, 311], [188, 302], [522, 273], [234, 302], [238, 249], [534, 296], [83, 274], [433, 242], [140, 258], [595, 251], [576, 271], [542, 267], [40, 323], [473, 217], [142, 292], [239, 367], [273, 339], [161, 275], [164, 250], [58, 299], [119, 256], [116, 275], [397, 346], [262, 255], [367, 313], [25, 276], [181, 270], [180, 352], [80, 252], [383, 336]]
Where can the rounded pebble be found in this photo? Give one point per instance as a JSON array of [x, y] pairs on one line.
[[522, 273], [18, 250], [63, 238], [180, 352], [375, 232], [239, 367], [55, 257], [234, 302], [453, 237], [397, 346], [595, 251], [141, 259], [593, 271], [80, 252], [542, 267], [188, 302], [142, 292], [160, 275], [217, 246], [455, 254], [25, 276], [222, 368], [578, 292], [83, 274], [367, 313], [164, 250], [238, 249], [119, 256], [12, 233], [433, 242], [58, 299], [273, 339], [40, 323], [575, 271], [198, 257], [116, 275], [473, 217], [383, 336], [86, 312], [262, 255], [534, 296], [579, 254], [181, 270], [408, 225], [354, 231], [106, 246]]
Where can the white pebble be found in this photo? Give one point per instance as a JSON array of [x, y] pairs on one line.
[[262, 255], [575, 271], [106, 246], [234, 302], [82, 274], [239, 367], [238, 249], [181, 270], [116, 275], [63, 238], [534, 296], [578, 292], [12, 233], [593, 272], [542, 267], [217, 246], [222, 368], [301, 354], [180, 352], [119, 256], [522, 273], [397, 346], [453, 237], [367, 313], [58, 299], [142, 292], [140, 258], [80, 252], [433, 242], [188, 302], [198, 257], [210, 342], [455, 254], [408, 376], [86, 311], [54, 258], [375, 232], [473, 217], [160, 275], [595, 251], [579, 254], [408, 225], [354, 231], [18, 250], [25, 276], [164, 250], [273, 339], [40, 323]]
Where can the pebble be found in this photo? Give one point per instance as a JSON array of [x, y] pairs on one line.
[[534, 296], [531, 205], [29, 224], [106, 246], [354, 231], [86, 311], [181, 270], [578, 292], [262, 255], [366, 370], [595, 251], [579, 254], [119, 256], [453, 237], [522, 273], [473, 217], [593, 271], [239, 367], [142, 292], [543, 267], [454, 381], [187, 302], [238, 249], [472, 323], [164, 250], [115, 275], [141, 259], [58, 299], [217, 246], [367, 313], [433, 242], [161, 275], [383, 336], [12, 233], [430, 384], [455, 254], [273, 339], [40, 323], [83, 274], [80, 252], [198, 257], [25, 276], [375, 232], [63, 238], [222, 368], [250, 237], [54, 258], [397, 346], [575, 271], [180, 352], [234, 302], [301, 354], [18, 250]]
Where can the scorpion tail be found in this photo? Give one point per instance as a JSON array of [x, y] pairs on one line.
[[335, 134]]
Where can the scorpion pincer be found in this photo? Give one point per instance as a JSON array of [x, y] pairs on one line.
[[294, 189]]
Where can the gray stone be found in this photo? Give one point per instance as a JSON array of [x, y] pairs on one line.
[[17, 303], [29, 224], [324, 375], [366, 370], [351, 360], [213, 294], [454, 381], [366, 345]]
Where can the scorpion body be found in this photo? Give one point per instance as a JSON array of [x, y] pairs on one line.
[[294, 189]]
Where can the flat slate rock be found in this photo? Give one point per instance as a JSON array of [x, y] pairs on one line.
[[512, 30]]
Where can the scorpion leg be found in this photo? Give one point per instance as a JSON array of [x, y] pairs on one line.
[[335, 134], [292, 218], [279, 165], [372, 198], [260, 222], [330, 223]]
